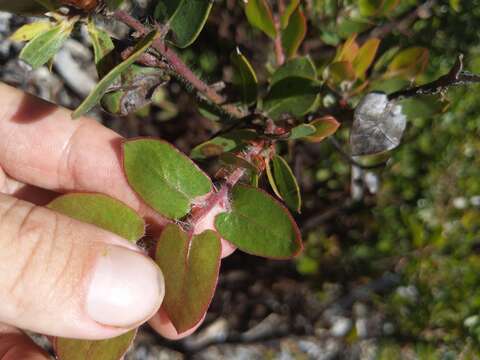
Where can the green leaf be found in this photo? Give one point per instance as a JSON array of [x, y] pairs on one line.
[[302, 67], [237, 162], [232, 141], [186, 18], [27, 7], [112, 215], [289, 10], [348, 26], [324, 127], [190, 267], [408, 63], [114, 4], [113, 75], [101, 41], [102, 48], [365, 56], [294, 33], [301, 131], [369, 7], [165, 179], [244, 77], [292, 95], [28, 31], [284, 183], [110, 349], [103, 211], [45, 45], [259, 15], [341, 71], [259, 225]]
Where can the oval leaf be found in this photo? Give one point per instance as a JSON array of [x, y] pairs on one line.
[[301, 131], [113, 75], [294, 33], [112, 215], [259, 225], [302, 67], [164, 178], [287, 13], [45, 45], [292, 95], [284, 183], [408, 63], [365, 57], [29, 31], [259, 14], [190, 267], [244, 78], [103, 211], [324, 127], [186, 18], [233, 141], [110, 349]]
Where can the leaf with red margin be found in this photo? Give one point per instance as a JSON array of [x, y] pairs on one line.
[[165, 178], [112, 215], [190, 266], [294, 33], [324, 127], [259, 225], [110, 349]]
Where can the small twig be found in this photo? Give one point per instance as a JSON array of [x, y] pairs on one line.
[[455, 77], [279, 51], [180, 67], [347, 156]]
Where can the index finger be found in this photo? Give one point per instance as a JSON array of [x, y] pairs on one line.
[[41, 145]]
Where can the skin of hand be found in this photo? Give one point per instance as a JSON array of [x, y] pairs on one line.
[[58, 276]]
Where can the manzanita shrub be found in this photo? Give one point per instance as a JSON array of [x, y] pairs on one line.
[[257, 122]]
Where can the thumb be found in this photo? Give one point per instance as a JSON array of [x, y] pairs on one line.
[[65, 278]]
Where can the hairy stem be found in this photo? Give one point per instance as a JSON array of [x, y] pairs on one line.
[[180, 68]]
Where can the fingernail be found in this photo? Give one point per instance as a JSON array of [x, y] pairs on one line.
[[126, 289]]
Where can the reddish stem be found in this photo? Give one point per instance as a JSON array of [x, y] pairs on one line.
[[180, 67], [279, 52]]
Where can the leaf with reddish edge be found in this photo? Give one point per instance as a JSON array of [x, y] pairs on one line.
[[294, 33], [112, 215], [165, 179], [190, 266], [324, 127], [110, 349], [365, 57], [259, 225], [103, 211], [289, 10]]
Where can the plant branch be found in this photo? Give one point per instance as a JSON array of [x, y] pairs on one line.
[[455, 77], [180, 68]]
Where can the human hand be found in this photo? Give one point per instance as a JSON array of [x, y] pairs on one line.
[[58, 276]]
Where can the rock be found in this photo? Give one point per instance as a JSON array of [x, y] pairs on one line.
[[213, 333], [341, 327]]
